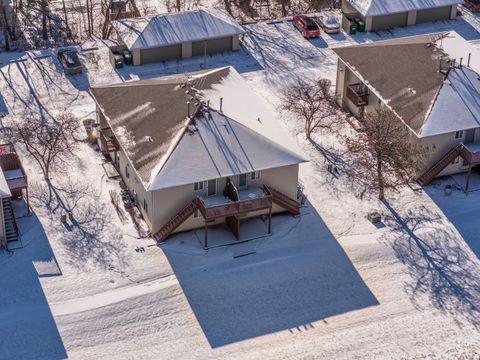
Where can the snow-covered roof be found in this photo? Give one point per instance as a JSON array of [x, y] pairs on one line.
[[218, 146], [384, 7], [176, 28], [404, 74], [149, 119]]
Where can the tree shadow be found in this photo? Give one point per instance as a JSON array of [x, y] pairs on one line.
[[88, 237], [26, 319], [442, 268], [287, 281]]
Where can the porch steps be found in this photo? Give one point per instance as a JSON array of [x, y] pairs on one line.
[[431, 173], [11, 229], [177, 220], [286, 202]]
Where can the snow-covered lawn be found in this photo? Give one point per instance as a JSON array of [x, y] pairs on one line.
[[327, 284]]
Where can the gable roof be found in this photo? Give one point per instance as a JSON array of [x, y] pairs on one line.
[[176, 28], [150, 120], [218, 146], [404, 74], [384, 7]]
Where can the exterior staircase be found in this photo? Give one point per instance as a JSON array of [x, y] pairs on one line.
[[11, 229], [286, 202], [431, 173], [177, 220]]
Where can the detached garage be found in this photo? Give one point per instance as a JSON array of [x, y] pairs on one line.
[[386, 14], [178, 35]]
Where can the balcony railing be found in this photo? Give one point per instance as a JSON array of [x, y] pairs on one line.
[[470, 154], [108, 140], [235, 207], [358, 94]]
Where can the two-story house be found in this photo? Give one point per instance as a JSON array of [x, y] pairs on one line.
[[198, 149], [431, 82]]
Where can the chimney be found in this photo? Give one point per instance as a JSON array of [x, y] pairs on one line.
[[221, 104], [469, 56]]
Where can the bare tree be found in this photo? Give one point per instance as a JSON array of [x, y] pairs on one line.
[[313, 103], [383, 154], [49, 141]]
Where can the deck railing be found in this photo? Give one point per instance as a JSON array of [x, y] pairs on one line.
[[108, 139], [358, 94], [234, 208]]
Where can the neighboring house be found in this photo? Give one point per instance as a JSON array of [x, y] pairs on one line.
[[432, 84], [387, 14], [197, 149], [179, 35], [13, 183]]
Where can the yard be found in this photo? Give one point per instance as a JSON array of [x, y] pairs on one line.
[[327, 284]]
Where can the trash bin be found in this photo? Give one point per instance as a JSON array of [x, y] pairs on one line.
[[118, 59], [353, 28], [360, 25]]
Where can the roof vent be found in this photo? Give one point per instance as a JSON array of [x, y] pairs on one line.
[[149, 138]]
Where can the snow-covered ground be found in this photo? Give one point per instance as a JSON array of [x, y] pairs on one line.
[[327, 284]]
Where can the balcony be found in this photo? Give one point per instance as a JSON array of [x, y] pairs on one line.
[[108, 140], [358, 94], [471, 153], [249, 200]]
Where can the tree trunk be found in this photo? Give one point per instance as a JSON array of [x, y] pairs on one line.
[[44, 20], [381, 182], [67, 27]]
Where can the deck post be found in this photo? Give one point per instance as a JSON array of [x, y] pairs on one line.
[[270, 221], [468, 176], [28, 202], [205, 242]]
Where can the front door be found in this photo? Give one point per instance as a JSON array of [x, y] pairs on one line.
[[212, 187]]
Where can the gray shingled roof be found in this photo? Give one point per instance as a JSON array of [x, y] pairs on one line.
[[149, 118], [404, 74], [384, 7]]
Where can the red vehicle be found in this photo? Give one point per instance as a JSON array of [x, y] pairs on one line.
[[306, 26], [473, 5]]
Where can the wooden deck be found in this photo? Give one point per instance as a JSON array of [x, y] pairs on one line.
[[358, 94]]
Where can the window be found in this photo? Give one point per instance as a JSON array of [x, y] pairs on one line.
[[242, 180], [459, 134], [255, 175], [198, 186], [145, 205], [196, 214], [465, 162], [127, 175], [456, 160]]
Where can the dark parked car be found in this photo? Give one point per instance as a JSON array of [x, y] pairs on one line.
[[328, 23], [306, 25], [70, 61], [127, 57]]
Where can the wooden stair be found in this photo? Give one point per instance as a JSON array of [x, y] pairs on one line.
[[11, 229], [177, 220], [286, 202], [430, 174]]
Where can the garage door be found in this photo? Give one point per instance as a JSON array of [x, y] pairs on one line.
[[213, 46], [441, 13], [160, 54], [385, 22]]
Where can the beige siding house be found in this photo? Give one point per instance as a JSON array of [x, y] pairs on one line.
[[431, 83], [386, 14], [178, 35], [193, 153]]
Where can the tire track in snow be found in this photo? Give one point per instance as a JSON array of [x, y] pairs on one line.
[[110, 297]]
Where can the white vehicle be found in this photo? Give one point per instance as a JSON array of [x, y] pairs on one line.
[[328, 23]]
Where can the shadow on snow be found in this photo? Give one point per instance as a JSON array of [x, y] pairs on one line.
[[296, 277], [26, 322]]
